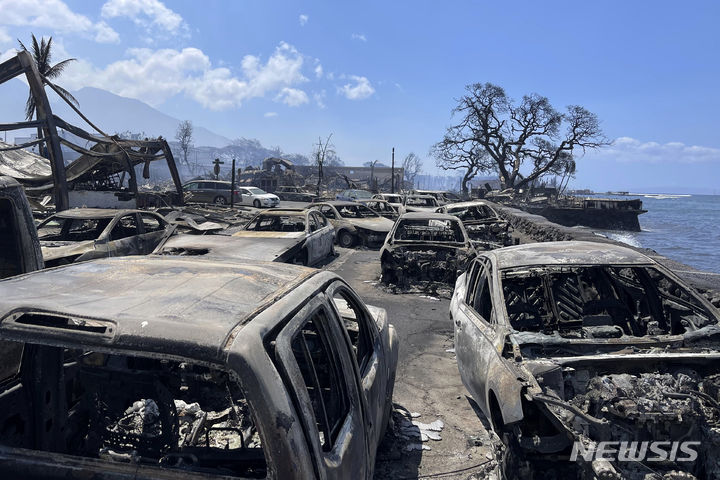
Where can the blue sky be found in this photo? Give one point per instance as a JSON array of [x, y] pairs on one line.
[[385, 74]]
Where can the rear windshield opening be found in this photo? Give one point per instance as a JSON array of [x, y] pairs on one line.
[[128, 410], [429, 230]]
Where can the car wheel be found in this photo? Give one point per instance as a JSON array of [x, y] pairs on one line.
[[256, 203], [346, 239], [219, 200]]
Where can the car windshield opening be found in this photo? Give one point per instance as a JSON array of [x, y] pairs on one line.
[[256, 191], [600, 302], [355, 211], [421, 202], [475, 212], [278, 223], [429, 230]]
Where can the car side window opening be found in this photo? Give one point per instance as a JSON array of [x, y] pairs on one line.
[[322, 373], [126, 227], [10, 252], [150, 223], [327, 211], [482, 302], [313, 223], [191, 186], [321, 220], [356, 323]]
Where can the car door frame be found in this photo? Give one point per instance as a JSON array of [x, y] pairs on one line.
[[313, 240], [475, 336], [375, 375], [150, 240], [348, 457]]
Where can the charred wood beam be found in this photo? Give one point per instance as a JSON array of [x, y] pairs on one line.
[[24, 145], [173, 169], [10, 69], [18, 125], [44, 114]]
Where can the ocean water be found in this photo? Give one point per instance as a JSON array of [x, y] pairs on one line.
[[686, 229]]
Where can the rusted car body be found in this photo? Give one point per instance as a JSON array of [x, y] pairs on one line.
[[166, 368], [307, 234], [483, 224], [86, 233], [564, 345], [19, 247], [425, 247], [382, 208], [355, 224]]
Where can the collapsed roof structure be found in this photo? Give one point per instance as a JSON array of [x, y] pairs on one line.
[[108, 168]]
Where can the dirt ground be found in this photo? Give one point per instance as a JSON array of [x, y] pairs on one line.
[[427, 383]]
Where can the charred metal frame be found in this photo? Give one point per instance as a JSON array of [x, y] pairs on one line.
[[127, 158]]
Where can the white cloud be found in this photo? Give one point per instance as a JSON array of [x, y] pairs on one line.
[[318, 71], [359, 36], [153, 76], [55, 15], [303, 19], [292, 97], [627, 149], [270, 114], [320, 99], [4, 37], [361, 90], [145, 13]]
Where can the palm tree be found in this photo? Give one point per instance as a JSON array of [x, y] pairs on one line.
[[42, 54]]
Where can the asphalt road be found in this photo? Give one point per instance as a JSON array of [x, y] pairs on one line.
[[427, 383]]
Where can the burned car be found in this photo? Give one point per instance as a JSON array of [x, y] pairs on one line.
[[85, 233], [394, 199], [355, 224], [425, 247], [307, 235], [575, 349], [483, 224], [164, 368], [418, 203], [382, 208], [295, 194]]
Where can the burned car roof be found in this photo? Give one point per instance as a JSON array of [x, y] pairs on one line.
[[154, 303], [93, 213], [462, 205], [224, 246], [567, 253], [424, 215]]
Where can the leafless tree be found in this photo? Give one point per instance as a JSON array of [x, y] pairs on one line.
[[322, 151], [184, 136], [412, 166], [494, 134]]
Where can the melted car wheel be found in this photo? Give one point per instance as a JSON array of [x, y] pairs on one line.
[[346, 239]]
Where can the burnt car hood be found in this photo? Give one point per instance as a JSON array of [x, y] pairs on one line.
[[254, 234], [380, 224], [271, 249], [54, 249], [634, 389]]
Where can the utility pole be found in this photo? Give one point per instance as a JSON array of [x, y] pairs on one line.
[[232, 185], [392, 173]]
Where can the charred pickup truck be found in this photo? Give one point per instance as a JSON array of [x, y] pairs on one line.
[[483, 224], [425, 247], [578, 350], [166, 368]]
